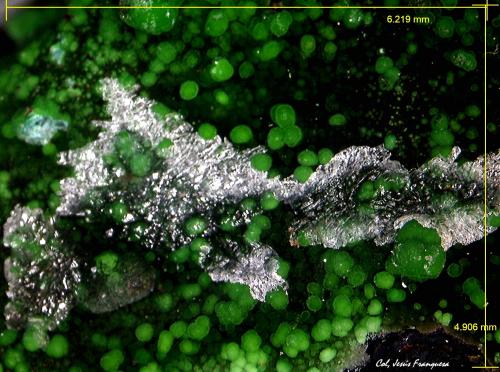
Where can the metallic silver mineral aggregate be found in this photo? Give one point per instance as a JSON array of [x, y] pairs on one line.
[[259, 268], [194, 177], [42, 285], [328, 216], [45, 274], [198, 177]]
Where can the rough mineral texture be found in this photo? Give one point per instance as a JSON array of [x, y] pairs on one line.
[[361, 194]]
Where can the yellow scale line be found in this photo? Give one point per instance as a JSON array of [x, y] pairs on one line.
[[485, 6], [485, 196], [237, 7]]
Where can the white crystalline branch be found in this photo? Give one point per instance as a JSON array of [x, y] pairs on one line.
[[202, 177]]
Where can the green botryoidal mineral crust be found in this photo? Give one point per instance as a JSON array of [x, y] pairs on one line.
[[192, 190], [153, 21], [417, 254], [151, 153]]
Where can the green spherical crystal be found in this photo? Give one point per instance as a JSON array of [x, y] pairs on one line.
[[106, 262], [189, 347], [33, 339], [276, 138], [298, 340], [283, 365], [13, 357], [278, 299], [375, 307], [222, 97], [396, 295], [195, 225], [307, 45], [356, 276], [250, 341], [153, 21], [230, 351], [241, 134], [7, 337], [284, 268], [188, 90], [207, 131], [57, 347], [384, 280], [221, 70], [494, 221], [252, 233], [372, 323], [390, 142], [353, 18], [199, 328], [164, 302], [327, 355], [270, 50], [445, 27], [339, 263], [314, 303], [366, 191], [473, 111], [307, 158], [342, 306], [325, 155], [314, 288], [217, 22], [454, 270], [278, 338], [99, 340], [383, 64], [149, 78], [178, 328], [412, 48], [49, 149], [166, 52], [337, 120], [464, 59], [119, 211], [190, 291], [260, 31], [369, 291], [283, 115], [293, 136], [302, 173], [391, 75], [322, 330], [246, 70], [151, 367], [261, 162], [144, 332], [262, 221], [341, 326], [280, 23], [329, 51]]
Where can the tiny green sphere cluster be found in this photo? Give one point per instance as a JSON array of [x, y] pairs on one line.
[[346, 301], [283, 81], [418, 254]]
